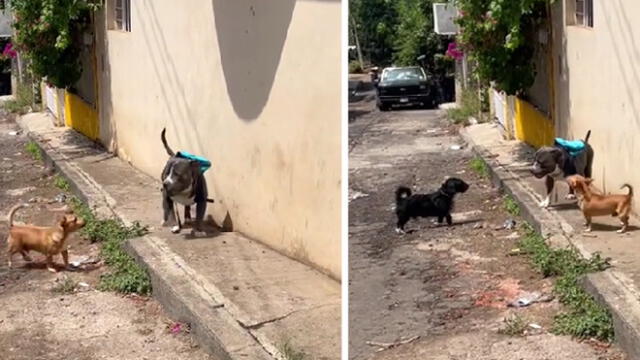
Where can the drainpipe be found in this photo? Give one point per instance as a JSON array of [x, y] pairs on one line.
[[552, 77]]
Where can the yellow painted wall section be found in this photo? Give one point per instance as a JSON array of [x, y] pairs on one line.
[[532, 126], [81, 116]]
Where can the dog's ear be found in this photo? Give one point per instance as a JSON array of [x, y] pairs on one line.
[[588, 181], [61, 220], [557, 154], [450, 186]]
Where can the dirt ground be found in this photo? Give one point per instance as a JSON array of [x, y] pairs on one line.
[[37, 319], [444, 288]]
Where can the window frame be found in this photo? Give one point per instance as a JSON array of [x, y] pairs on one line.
[[122, 15], [584, 16]]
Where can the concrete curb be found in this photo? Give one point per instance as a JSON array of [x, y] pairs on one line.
[[181, 295], [610, 288]]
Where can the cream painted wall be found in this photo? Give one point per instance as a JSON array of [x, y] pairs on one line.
[[598, 88], [256, 89]]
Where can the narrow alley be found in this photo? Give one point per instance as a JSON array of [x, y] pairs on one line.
[[437, 292]]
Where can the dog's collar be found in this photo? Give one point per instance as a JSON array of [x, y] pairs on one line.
[[444, 193]]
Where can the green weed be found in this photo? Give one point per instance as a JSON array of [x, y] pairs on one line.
[[61, 183], [470, 105], [478, 165], [22, 102], [290, 353], [355, 67], [126, 276], [511, 206], [67, 286], [513, 326], [34, 150], [584, 317]]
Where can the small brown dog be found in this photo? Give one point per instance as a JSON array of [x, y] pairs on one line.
[[593, 204], [46, 240]]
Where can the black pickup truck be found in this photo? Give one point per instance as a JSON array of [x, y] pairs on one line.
[[404, 86]]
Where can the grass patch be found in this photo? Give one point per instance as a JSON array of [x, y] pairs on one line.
[[478, 165], [126, 276], [34, 150], [511, 206], [24, 99], [514, 325], [67, 286], [355, 68], [470, 105], [290, 353], [61, 183], [584, 318]]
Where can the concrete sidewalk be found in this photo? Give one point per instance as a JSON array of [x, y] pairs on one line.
[[242, 299], [616, 288]]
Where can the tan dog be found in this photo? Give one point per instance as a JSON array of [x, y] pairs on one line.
[[594, 204], [46, 240]]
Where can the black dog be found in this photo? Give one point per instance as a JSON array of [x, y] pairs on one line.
[[183, 182], [437, 204]]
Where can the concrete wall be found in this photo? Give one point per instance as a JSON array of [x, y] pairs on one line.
[[598, 86], [252, 85]]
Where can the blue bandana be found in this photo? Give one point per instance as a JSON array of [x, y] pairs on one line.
[[574, 147], [204, 163]]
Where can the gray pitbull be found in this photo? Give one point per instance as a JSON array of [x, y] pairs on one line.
[[183, 183], [557, 163]]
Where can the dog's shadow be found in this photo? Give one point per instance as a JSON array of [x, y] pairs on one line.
[[42, 265], [210, 230], [431, 225], [611, 228], [565, 206]]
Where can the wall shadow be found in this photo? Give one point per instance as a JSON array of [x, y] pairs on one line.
[[251, 36]]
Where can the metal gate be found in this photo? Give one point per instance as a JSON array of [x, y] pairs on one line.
[[51, 100], [499, 106]]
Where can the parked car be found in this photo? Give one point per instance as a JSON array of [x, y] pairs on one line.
[[405, 86]]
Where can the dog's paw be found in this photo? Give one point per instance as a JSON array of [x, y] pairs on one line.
[[53, 270], [570, 197], [175, 229], [400, 231], [198, 233], [164, 223], [544, 203]]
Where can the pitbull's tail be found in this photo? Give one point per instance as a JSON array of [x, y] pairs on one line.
[[164, 142], [586, 138], [628, 187]]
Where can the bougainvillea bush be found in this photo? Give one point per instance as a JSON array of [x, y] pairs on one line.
[[500, 36], [49, 34]]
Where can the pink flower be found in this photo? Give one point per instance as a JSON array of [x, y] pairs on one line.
[[454, 52], [9, 51]]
